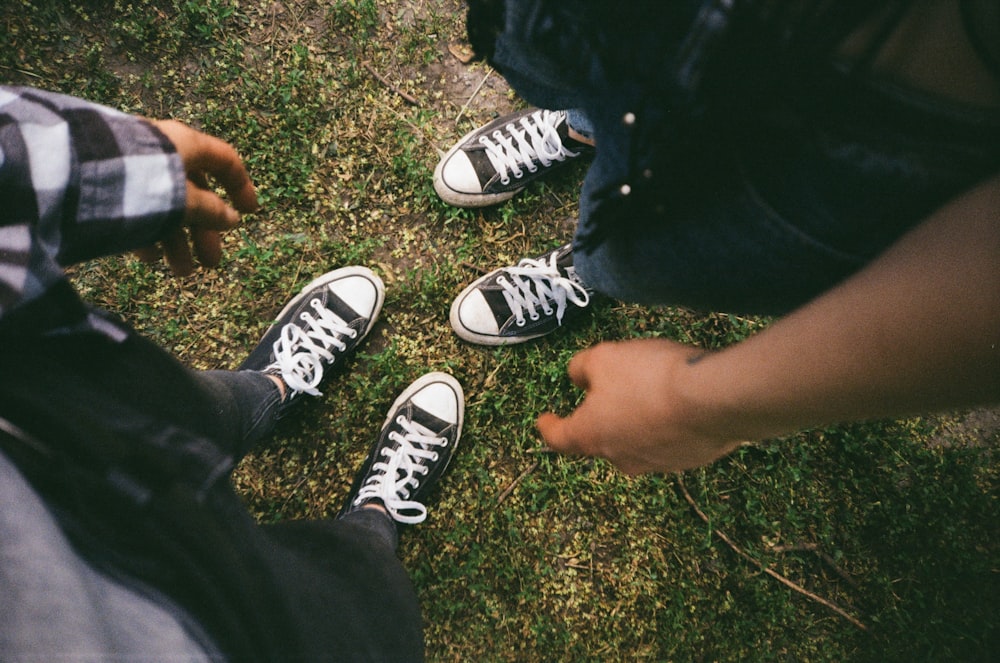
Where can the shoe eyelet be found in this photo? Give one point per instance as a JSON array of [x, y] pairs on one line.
[[434, 457], [520, 323], [534, 318]]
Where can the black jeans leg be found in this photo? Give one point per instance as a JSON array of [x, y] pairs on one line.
[[145, 442]]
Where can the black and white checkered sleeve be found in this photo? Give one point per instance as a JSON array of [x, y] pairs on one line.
[[77, 181]]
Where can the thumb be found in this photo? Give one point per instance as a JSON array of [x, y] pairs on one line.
[[557, 432]]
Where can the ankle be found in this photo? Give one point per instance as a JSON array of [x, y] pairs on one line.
[[579, 137], [282, 387], [376, 506]]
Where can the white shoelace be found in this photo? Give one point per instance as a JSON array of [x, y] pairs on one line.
[[550, 286], [398, 474], [533, 137], [301, 350]]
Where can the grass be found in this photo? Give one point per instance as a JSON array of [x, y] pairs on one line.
[[527, 556]]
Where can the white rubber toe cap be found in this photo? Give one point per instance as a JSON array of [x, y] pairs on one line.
[[440, 399], [358, 292], [458, 174], [472, 318]]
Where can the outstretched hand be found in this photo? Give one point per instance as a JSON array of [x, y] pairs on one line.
[[206, 215], [636, 412]]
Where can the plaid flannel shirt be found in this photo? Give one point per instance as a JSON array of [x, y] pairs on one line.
[[77, 181]]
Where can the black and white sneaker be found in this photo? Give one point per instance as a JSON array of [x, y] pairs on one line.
[[323, 324], [517, 304], [416, 444], [493, 163]]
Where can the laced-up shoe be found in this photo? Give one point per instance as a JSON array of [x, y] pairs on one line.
[[411, 453], [323, 324], [493, 163], [517, 304]]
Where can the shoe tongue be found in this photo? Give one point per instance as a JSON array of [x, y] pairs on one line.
[[562, 129], [564, 261], [570, 143], [570, 273], [564, 264]]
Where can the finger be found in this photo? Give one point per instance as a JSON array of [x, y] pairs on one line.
[[199, 179], [207, 246], [218, 159], [558, 433], [177, 252], [577, 369], [203, 154], [630, 468], [148, 254], [208, 211]]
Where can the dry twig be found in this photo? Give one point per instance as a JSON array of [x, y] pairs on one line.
[[408, 98], [509, 489], [475, 268], [473, 96], [815, 549], [774, 574]]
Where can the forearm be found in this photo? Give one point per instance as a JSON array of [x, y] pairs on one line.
[[918, 330]]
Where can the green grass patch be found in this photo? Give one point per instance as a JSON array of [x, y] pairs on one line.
[[526, 556]]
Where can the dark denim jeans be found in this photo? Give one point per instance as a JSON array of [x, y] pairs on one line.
[[801, 199], [133, 451], [250, 402]]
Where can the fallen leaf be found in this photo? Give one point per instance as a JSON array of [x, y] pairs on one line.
[[462, 52]]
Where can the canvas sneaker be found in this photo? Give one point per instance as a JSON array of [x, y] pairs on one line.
[[493, 163], [517, 304], [411, 453], [317, 329]]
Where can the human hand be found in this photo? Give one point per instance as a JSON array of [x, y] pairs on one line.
[[635, 412], [206, 215]]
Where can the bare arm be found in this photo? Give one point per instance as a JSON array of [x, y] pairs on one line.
[[917, 330]]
